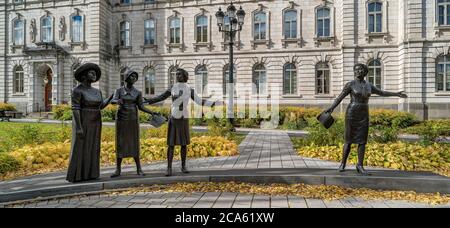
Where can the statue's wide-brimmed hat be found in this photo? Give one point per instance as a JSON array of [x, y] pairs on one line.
[[83, 69], [129, 73]]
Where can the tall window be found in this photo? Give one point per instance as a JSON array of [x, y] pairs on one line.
[[443, 74], [175, 30], [259, 79], [322, 78], [375, 73], [77, 28], [259, 26], [290, 24], [149, 27], [125, 34], [290, 79], [202, 29], [172, 76], [201, 80], [122, 76], [19, 33], [375, 17], [18, 80], [149, 82], [323, 22], [443, 12], [47, 29], [226, 79]]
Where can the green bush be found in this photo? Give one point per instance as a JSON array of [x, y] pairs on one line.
[[442, 127], [8, 163], [7, 107], [320, 136], [381, 134], [62, 112], [391, 118]]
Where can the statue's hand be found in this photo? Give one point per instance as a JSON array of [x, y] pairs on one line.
[[402, 94]]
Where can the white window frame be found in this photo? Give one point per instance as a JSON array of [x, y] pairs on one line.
[[52, 29], [149, 83], [13, 31], [129, 43], [446, 64], [381, 68], [20, 80]]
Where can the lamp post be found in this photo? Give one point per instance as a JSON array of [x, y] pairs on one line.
[[235, 20]]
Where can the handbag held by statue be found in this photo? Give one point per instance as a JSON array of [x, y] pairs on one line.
[[326, 119], [157, 121]]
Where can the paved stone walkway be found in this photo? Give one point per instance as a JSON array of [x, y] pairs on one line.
[[213, 200]]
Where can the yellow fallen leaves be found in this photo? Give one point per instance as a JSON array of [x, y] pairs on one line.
[[323, 192], [399, 155], [51, 157]]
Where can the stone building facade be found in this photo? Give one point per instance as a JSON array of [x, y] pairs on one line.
[[301, 52]]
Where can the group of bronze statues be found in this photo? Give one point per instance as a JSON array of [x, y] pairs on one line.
[[87, 103]]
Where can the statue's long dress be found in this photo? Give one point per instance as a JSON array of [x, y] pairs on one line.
[[85, 152], [357, 115], [127, 123]]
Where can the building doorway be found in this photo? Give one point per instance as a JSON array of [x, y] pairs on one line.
[[48, 90]]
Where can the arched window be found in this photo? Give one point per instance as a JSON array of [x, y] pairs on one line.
[[290, 79], [77, 29], [18, 80], [47, 29], [18, 35], [375, 17], [323, 22], [290, 24], [172, 75], [375, 73], [226, 79], [202, 29], [125, 34], [259, 26], [322, 78], [259, 79], [201, 80], [122, 76], [175, 30], [149, 81], [150, 32], [443, 74], [443, 13]]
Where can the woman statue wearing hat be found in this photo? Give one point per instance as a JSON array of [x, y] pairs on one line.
[[357, 116], [130, 101], [178, 133], [87, 102]]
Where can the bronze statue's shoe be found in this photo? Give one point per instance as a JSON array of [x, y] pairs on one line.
[[140, 173], [184, 170], [360, 169], [169, 172], [116, 174], [342, 168]]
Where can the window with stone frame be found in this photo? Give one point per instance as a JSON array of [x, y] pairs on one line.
[[290, 24], [149, 81], [19, 32], [375, 17], [289, 79], [443, 12], [125, 33], [322, 78], [375, 73], [47, 29], [18, 85], [443, 74], [201, 80], [259, 80], [201, 25], [175, 30]]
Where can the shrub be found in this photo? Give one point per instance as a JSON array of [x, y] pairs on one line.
[[389, 118], [320, 136], [8, 163], [7, 107], [399, 155], [381, 134], [62, 112], [49, 157], [442, 127]]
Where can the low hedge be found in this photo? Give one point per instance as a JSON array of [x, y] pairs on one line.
[[439, 127], [399, 155], [50, 157], [8, 163], [7, 107]]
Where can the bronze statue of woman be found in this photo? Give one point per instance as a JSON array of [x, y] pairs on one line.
[[130, 101], [357, 115], [87, 102], [178, 133]]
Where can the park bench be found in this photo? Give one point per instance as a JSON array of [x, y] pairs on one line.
[[3, 116]]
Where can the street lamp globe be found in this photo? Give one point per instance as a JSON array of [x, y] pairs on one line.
[[220, 15], [231, 11], [240, 16]]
